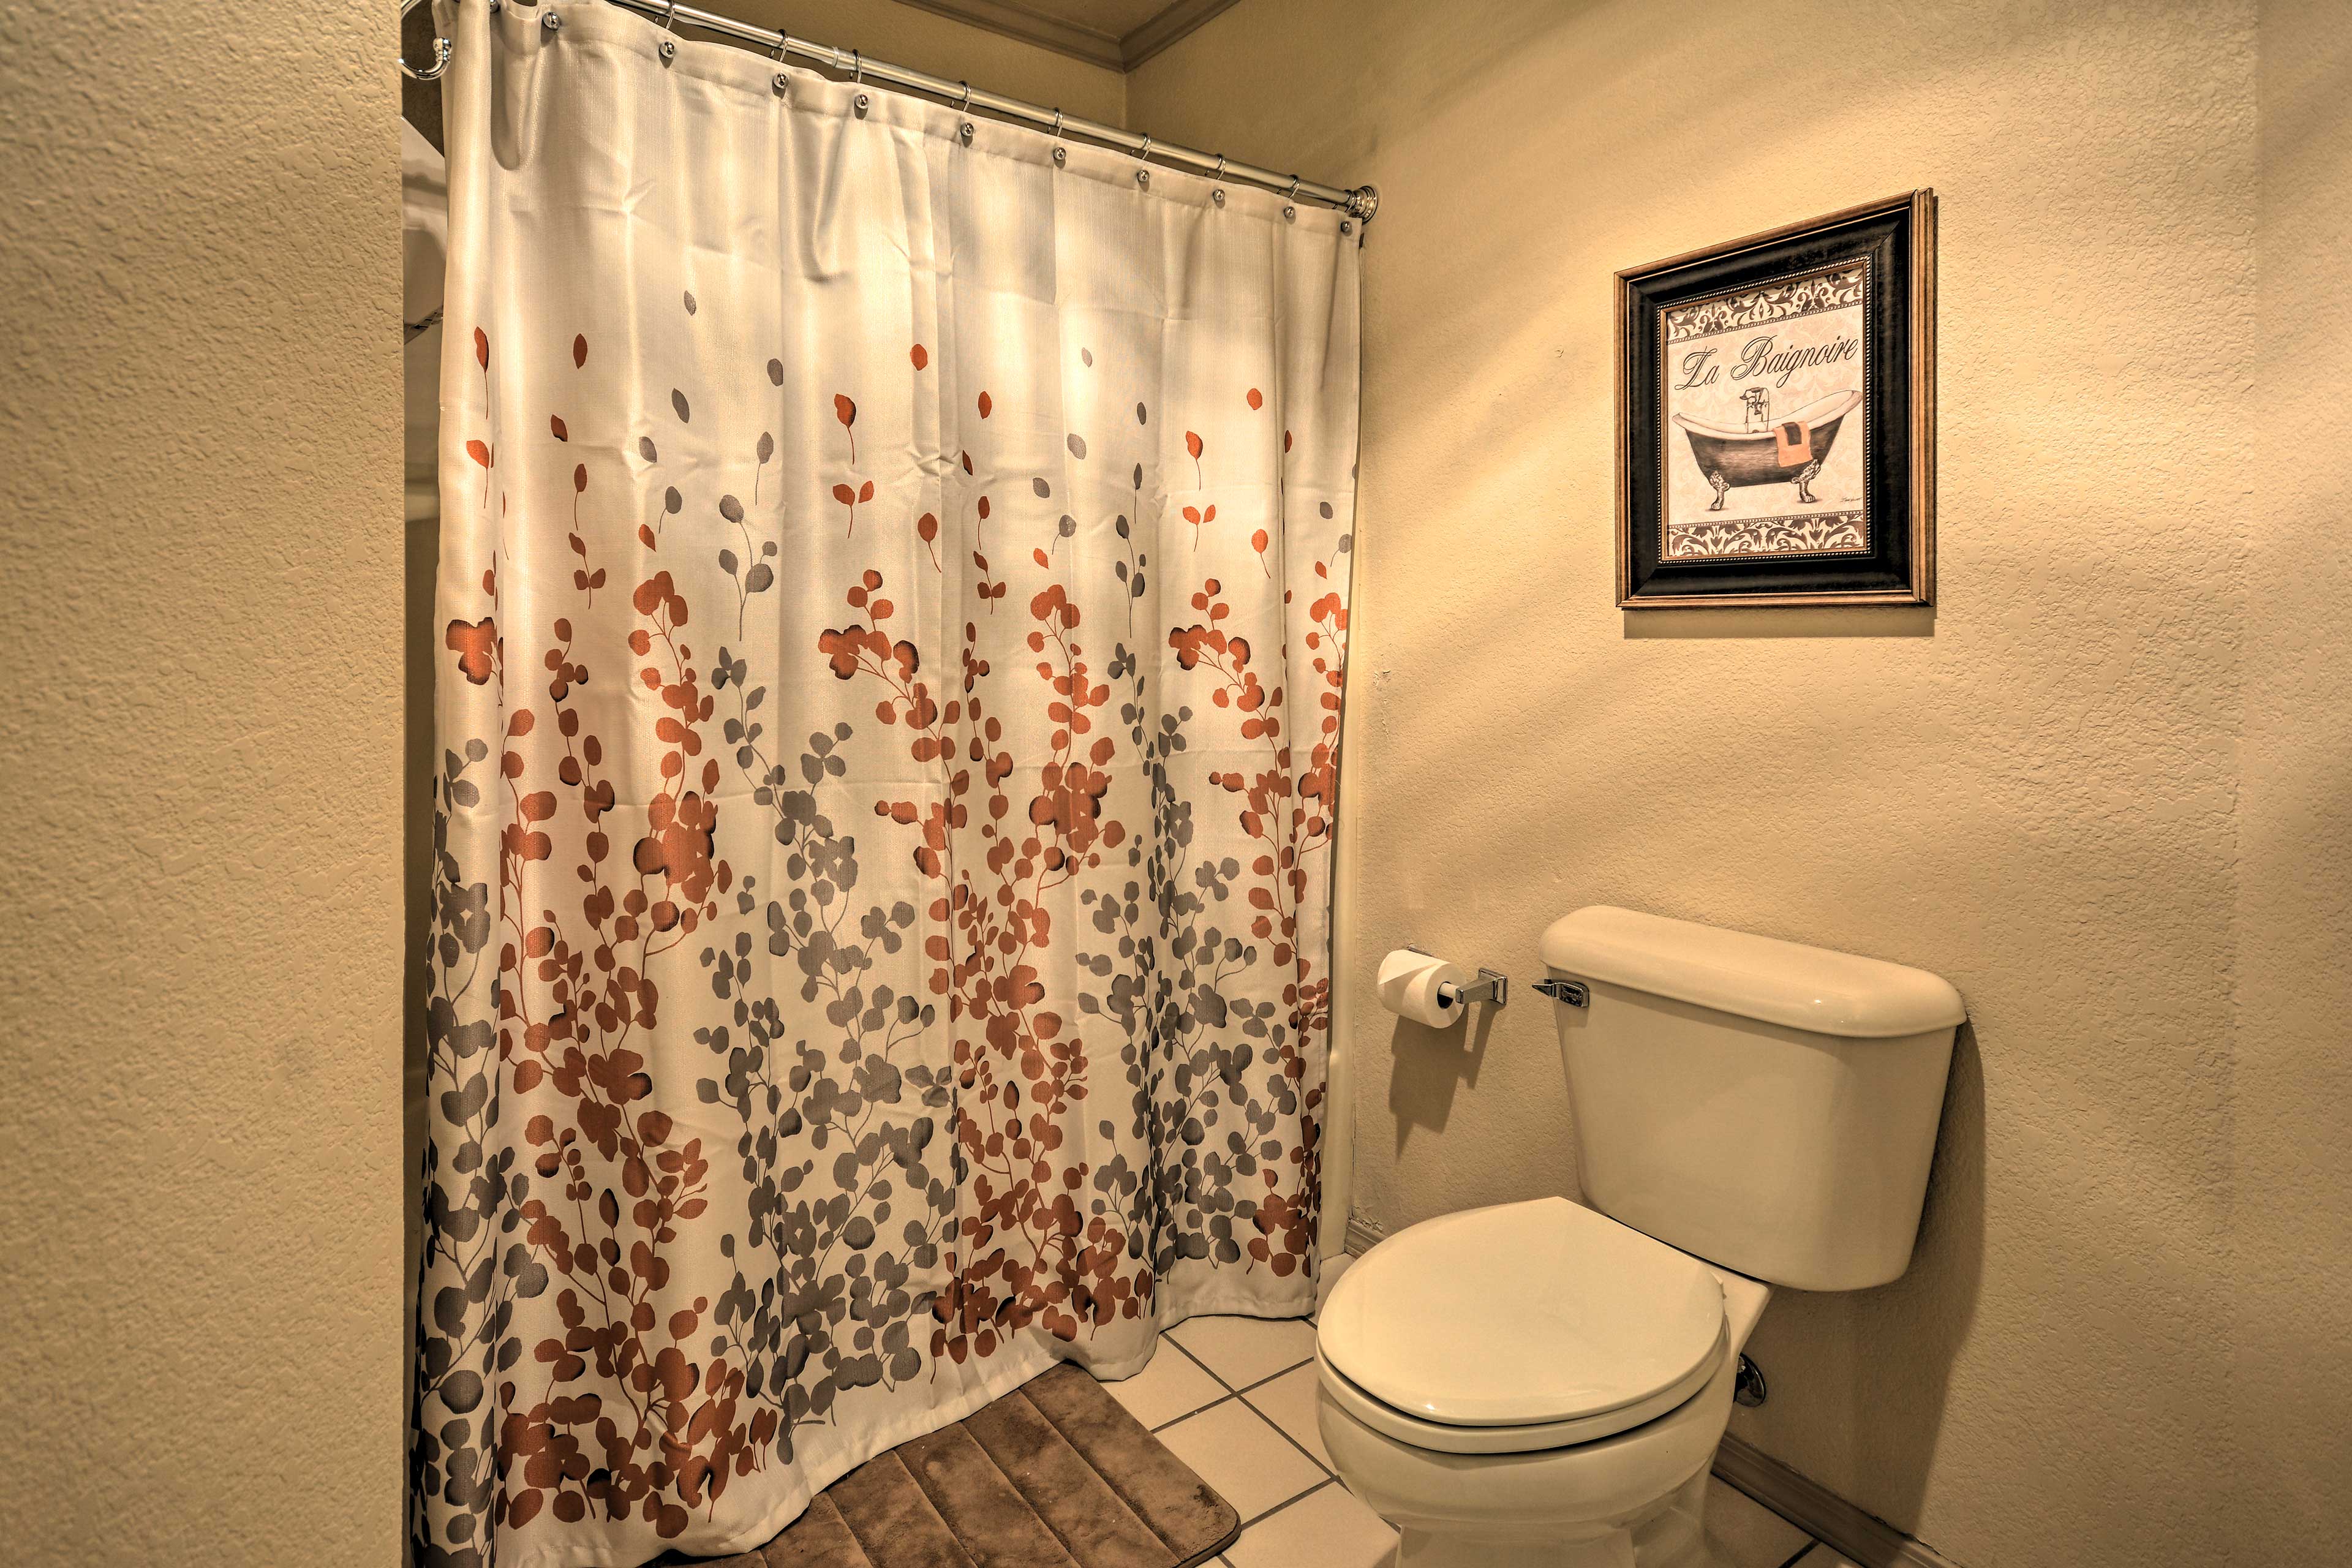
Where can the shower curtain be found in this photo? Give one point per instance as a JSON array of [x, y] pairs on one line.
[[893, 606]]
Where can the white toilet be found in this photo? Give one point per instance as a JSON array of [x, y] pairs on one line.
[[1545, 1384]]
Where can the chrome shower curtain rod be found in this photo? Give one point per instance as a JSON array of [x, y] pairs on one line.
[[1360, 202]]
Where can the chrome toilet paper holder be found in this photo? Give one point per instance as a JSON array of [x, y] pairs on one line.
[[1492, 984]]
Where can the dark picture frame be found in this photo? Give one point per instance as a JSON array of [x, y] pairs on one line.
[[1776, 417]]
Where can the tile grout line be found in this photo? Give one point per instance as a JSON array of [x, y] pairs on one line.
[[1226, 1398], [1196, 1361], [1232, 1394], [1242, 1394], [1277, 1426], [1249, 1524], [1218, 1378], [1231, 1398]]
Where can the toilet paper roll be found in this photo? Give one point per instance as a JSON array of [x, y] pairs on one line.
[[1409, 987]]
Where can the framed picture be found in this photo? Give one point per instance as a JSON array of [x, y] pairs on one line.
[[1776, 417]]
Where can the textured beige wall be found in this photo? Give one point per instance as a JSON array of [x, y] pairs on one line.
[[2032, 789], [2292, 1246], [201, 1237]]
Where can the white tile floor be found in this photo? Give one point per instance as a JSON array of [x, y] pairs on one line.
[[1234, 1398]]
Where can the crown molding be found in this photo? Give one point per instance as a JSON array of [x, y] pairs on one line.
[[1175, 22], [1091, 44]]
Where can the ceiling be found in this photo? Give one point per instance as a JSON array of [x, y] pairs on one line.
[[1117, 35]]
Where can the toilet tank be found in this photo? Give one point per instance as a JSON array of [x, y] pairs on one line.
[[1766, 1106]]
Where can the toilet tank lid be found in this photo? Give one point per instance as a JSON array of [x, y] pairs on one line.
[[1775, 981]]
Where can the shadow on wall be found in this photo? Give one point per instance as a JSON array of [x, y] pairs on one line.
[[420, 104], [1792, 621], [1430, 1067], [420, 107], [423, 567], [1895, 1402], [1886, 1356]]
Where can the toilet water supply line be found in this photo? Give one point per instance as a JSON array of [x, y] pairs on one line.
[[1358, 203]]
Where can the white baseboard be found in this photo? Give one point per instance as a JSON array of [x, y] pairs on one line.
[[1362, 1235], [1819, 1512]]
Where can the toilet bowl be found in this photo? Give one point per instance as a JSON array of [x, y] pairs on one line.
[[1532, 1384], [1544, 1382]]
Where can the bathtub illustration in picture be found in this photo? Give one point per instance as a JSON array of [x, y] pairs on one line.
[[1789, 451], [1763, 419]]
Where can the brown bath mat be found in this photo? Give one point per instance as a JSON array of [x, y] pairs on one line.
[[1055, 1474]]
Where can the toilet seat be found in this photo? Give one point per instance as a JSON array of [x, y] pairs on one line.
[[1518, 1328]]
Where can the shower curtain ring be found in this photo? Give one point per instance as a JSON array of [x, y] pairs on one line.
[[857, 62], [440, 53], [783, 44], [1058, 123], [1144, 151], [1295, 179], [670, 17], [1220, 168], [965, 107], [432, 72]]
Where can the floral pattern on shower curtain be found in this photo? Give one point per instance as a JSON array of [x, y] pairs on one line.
[[892, 616]]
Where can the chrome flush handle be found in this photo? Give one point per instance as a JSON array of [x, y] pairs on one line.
[[1571, 992]]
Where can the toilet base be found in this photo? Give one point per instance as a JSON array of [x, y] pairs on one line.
[[1667, 1537]]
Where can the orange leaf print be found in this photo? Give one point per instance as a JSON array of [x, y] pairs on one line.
[[845, 495], [921, 356], [1192, 445], [578, 351], [555, 422], [1256, 399], [474, 643], [985, 406], [479, 452], [481, 348]]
